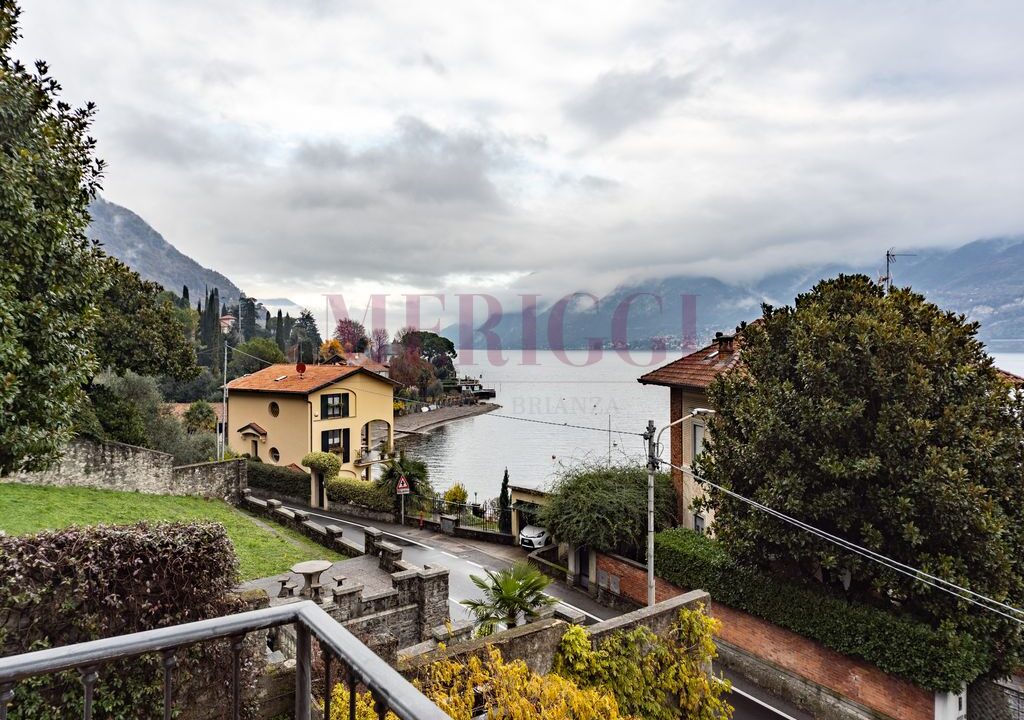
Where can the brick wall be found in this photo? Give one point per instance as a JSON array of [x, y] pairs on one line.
[[627, 579], [800, 670], [116, 466]]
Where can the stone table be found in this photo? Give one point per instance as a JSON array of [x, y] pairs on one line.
[[311, 570]]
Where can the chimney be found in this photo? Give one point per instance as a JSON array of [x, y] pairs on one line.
[[724, 343]]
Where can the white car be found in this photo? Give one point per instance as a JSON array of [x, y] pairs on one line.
[[533, 537]]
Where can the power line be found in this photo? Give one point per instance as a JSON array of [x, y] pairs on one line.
[[912, 572], [603, 431]]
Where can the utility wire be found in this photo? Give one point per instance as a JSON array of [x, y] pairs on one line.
[[603, 431], [912, 572]]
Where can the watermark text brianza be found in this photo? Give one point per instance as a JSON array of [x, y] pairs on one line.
[[480, 315]]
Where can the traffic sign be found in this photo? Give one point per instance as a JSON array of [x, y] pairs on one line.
[[403, 486]]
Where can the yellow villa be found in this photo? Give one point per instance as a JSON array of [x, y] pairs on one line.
[[278, 415]]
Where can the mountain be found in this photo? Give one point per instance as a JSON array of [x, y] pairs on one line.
[[982, 280], [134, 242]]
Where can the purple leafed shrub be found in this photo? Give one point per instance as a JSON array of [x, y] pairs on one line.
[[83, 583]]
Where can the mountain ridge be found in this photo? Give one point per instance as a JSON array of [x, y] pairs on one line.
[[124, 235]]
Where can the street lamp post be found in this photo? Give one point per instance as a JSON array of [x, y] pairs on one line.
[[653, 461]]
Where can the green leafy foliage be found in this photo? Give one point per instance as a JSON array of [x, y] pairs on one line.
[[253, 355], [605, 507], [510, 596], [360, 492], [129, 409], [879, 418], [938, 659], [140, 327], [416, 474], [200, 417], [119, 580], [661, 678], [325, 463], [306, 337], [52, 274], [505, 506], [277, 479]]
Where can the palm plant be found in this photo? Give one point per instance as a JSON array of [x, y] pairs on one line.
[[415, 472], [509, 593]]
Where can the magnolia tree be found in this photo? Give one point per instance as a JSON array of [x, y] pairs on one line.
[[879, 418]]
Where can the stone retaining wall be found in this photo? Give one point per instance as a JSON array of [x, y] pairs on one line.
[[116, 466], [537, 643]]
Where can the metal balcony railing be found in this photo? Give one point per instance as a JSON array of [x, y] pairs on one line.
[[390, 690]]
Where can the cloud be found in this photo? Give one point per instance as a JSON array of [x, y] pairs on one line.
[[620, 99], [309, 147]]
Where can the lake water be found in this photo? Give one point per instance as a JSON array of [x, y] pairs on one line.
[[475, 451]]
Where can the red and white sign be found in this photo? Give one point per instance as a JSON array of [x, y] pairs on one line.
[[403, 486]]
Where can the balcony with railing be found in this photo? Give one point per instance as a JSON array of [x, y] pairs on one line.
[[358, 665]]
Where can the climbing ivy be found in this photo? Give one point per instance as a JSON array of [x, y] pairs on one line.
[[651, 676]]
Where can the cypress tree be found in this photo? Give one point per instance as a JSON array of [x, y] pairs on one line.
[[185, 302], [279, 335], [505, 506]]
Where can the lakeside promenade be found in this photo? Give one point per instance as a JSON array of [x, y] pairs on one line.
[[419, 422]]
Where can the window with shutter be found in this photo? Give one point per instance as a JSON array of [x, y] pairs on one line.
[[345, 445], [344, 405], [330, 406], [330, 440]]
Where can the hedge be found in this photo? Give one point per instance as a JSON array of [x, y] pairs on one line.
[[896, 644], [277, 479], [360, 492], [86, 583]]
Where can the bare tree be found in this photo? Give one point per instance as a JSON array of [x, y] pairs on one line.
[[379, 340]]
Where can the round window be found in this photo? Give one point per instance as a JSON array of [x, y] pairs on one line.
[[275, 409], [275, 454]]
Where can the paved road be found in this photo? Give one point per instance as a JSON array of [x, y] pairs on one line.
[[464, 558]]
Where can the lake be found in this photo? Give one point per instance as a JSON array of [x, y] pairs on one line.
[[475, 451]]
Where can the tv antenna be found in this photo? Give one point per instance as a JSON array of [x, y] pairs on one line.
[[890, 259]]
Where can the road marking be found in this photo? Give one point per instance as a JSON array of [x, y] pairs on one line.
[[449, 554], [760, 702], [475, 564]]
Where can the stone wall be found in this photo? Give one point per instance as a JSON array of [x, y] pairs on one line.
[[116, 466], [800, 670], [537, 643], [224, 479], [330, 536]]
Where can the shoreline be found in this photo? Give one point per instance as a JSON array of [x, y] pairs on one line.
[[420, 423]]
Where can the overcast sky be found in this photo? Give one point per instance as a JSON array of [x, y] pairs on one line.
[[318, 146]]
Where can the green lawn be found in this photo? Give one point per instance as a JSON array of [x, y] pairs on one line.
[[264, 547]]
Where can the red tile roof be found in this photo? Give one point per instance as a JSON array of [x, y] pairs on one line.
[[1010, 377], [283, 378], [696, 370], [178, 410], [258, 429]]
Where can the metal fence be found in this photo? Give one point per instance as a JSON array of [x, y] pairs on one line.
[[1015, 702], [480, 517], [359, 665]]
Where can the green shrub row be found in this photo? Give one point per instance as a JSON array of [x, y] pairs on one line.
[[360, 492], [896, 644], [277, 479]]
